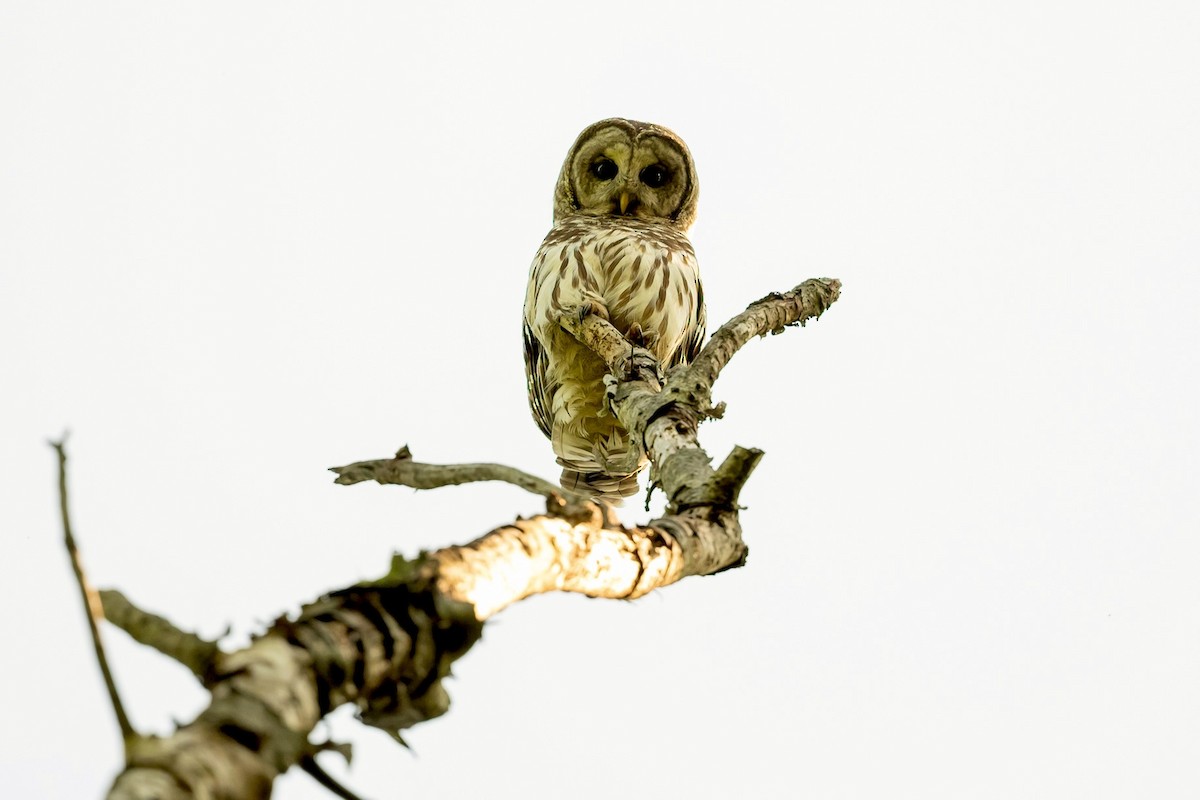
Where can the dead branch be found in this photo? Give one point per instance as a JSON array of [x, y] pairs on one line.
[[193, 652], [91, 601], [385, 646], [403, 471]]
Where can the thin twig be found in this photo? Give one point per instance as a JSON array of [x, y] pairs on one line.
[[402, 470], [317, 772], [91, 600]]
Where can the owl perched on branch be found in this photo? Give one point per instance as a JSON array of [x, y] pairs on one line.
[[624, 201]]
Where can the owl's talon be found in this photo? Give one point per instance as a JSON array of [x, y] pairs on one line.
[[588, 308], [639, 365], [636, 335]]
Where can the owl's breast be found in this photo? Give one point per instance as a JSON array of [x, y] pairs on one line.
[[644, 274], [649, 279]]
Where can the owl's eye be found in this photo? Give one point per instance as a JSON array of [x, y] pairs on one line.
[[604, 169], [654, 175]]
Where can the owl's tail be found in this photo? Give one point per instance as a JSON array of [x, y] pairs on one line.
[[600, 461], [602, 485]]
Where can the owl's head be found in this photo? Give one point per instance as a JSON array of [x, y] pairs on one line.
[[620, 167]]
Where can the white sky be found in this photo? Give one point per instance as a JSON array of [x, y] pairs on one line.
[[243, 242]]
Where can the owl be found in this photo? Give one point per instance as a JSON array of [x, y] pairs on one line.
[[624, 201]]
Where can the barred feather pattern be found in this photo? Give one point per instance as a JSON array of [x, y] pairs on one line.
[[641, 274]]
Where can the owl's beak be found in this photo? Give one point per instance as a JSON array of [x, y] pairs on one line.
[[623, 203]]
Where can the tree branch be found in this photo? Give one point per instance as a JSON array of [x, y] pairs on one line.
[[772, 314], [386, 645], [193, 652], [668, 419], [403, 471], [92, 606]]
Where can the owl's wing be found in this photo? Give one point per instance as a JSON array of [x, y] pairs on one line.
[[535, 379], [695, 337]]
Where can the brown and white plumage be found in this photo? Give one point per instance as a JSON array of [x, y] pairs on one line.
[[623, 203]]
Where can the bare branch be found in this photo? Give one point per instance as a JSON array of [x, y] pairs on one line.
[[91, 601], [668, 419], [193, 652], [771, 314], [385, 646], [403, 471], [555, 554], [309, 764], [731, 476], [263, 707]]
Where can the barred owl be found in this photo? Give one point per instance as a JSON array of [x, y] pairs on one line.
[[622, 206]]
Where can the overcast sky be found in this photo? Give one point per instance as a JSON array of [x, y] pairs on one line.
[[243, 242]]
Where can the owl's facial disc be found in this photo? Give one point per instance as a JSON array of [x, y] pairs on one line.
[[630, 169], [613, 185]]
